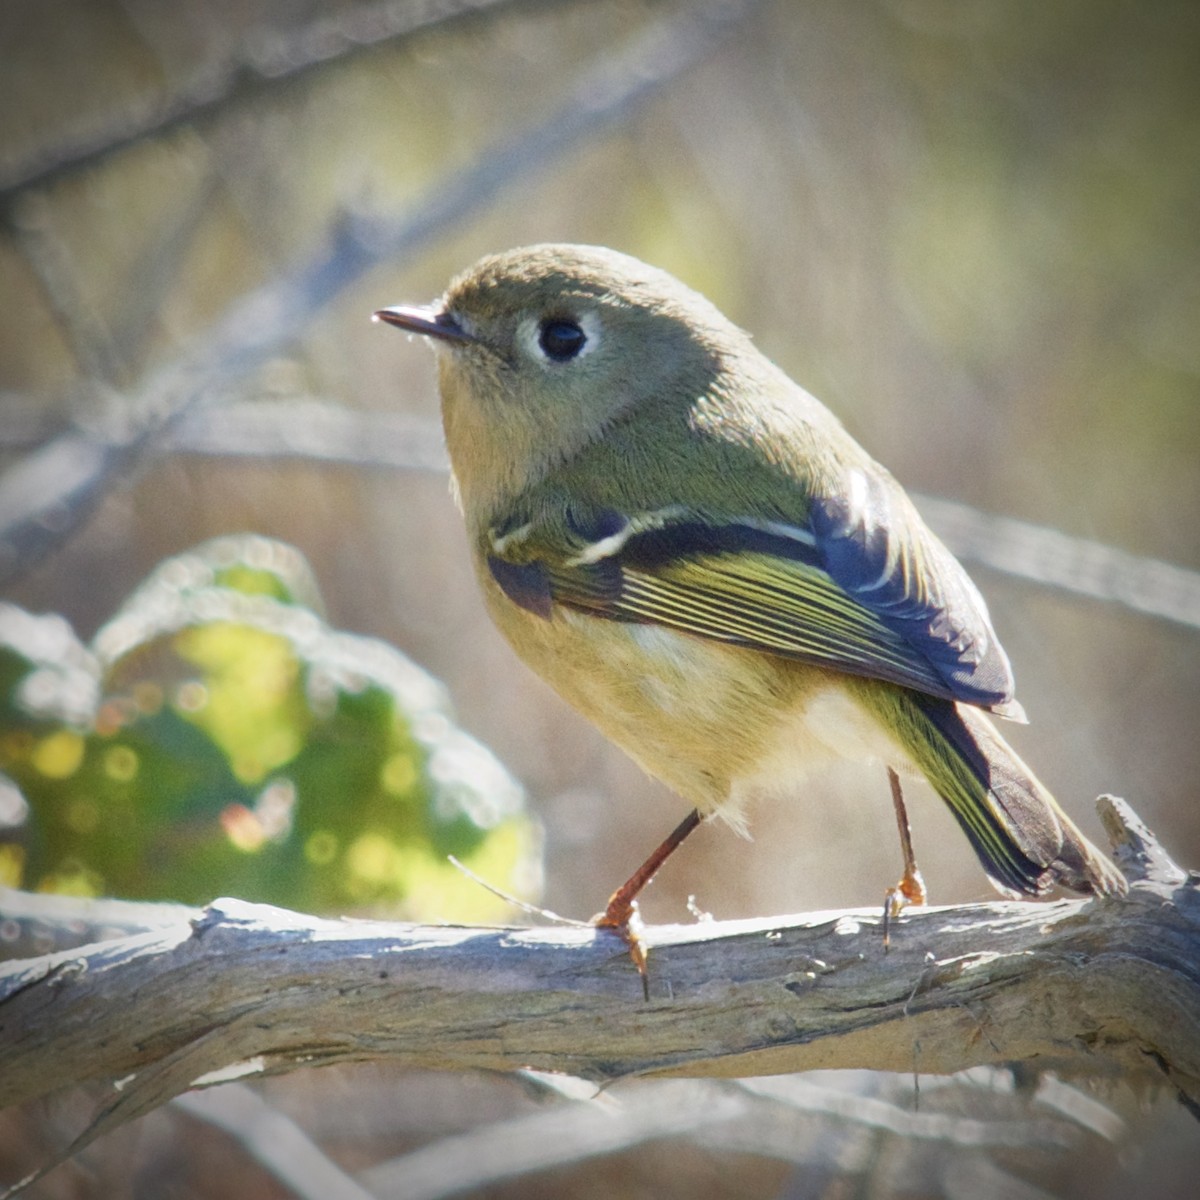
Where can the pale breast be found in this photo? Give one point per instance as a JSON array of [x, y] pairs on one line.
[[718, 724]]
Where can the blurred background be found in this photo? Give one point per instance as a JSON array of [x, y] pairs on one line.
[[971, 229]]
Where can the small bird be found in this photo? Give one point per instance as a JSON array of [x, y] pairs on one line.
[[695, 554]]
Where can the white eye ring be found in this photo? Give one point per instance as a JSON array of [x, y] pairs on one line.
[[529, 338]]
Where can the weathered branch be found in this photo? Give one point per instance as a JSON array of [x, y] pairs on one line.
[[1080, 987]]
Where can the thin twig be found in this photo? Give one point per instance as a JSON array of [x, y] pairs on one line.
[[524, 906]]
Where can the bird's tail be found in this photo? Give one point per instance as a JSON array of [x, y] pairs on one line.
[[1026, 843]]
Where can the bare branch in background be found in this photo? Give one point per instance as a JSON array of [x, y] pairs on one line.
[[749, 1116], [274, 1141], [1070, 564], [314, 430], [45, 497], [90, 339], [261, 64], [1082, 987]]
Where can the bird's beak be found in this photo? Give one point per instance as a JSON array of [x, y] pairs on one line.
[[430, 322]]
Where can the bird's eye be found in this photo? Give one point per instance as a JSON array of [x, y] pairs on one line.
[[561, 339]]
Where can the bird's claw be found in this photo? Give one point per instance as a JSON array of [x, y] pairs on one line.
[[908, 890], [623, 918]]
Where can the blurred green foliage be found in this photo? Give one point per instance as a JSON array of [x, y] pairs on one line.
[[218, 737]]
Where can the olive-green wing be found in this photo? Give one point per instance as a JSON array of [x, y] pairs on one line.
[[861, 586]]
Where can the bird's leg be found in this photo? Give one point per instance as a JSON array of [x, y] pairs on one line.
[[621, 914], [911, 887]]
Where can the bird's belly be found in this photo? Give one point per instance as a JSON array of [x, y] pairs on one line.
[[828, 726], [719, 724]]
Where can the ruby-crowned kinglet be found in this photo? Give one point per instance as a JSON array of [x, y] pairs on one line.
[[693, 551]]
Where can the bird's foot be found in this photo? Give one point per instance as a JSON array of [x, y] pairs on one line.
[[909, 890], [622, 915], [623, 918]]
